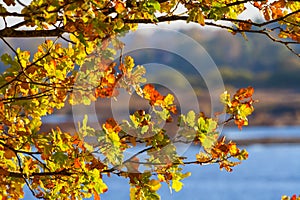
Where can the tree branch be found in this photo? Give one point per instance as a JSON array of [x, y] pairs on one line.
[[21, 175], [18, 151], [263, 23], [10, 32]]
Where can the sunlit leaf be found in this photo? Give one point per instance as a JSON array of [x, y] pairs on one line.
[[177, 185]]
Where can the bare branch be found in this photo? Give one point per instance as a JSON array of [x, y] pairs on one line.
[[263, 23], [10, 32], [59, 173]]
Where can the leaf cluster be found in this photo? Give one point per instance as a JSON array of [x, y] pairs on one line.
[[63, 165]]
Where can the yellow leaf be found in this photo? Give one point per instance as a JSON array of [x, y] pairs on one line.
[[169, 99], [177, 185], [132, 194], [225, 98], [161, 177], [233, 150], [110, 79], [154, 185], [202, 157]]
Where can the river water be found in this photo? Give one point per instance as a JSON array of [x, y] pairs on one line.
[[270, 172]]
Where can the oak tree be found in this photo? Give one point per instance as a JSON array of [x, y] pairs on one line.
[[62, 165]]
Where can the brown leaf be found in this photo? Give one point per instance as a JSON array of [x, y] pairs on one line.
[[266, 13], [133, 166], [132, 141], [10, 2], [8, 154], [4, 172], [245, 25], [134, 177]]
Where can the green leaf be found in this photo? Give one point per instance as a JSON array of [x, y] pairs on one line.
[[163, 114], [144, 129], [6, 59], [154, 4], [84, 121], [2, 9], [207, 141], [134, 121], [190, 118], [188, 133], [206, 125], [82, 40], [181, 121], [212, 125], [60, 158], [86, 101]]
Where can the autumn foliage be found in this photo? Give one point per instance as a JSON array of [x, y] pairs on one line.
[[76, 65]]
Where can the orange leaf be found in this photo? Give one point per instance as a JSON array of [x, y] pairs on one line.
[[45, 156], [148, 89], [244, 93], [173, 109], [77, 163], [96, 195], [266, 13], [153, 95], [119, 7], [257, 4], [112, 125], [278, 4]]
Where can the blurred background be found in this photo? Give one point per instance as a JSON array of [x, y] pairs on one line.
[[273, 135], [272, 138]]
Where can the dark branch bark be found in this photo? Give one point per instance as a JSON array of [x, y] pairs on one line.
[[9, 32], [159, 19], [19, 151], [263, 23], [21, 175], [12, 14]]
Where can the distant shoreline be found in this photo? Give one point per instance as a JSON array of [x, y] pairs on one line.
[[70, 127], [266, 141]]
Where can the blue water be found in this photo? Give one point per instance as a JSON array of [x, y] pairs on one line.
[[270, 172], [262, 132]]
